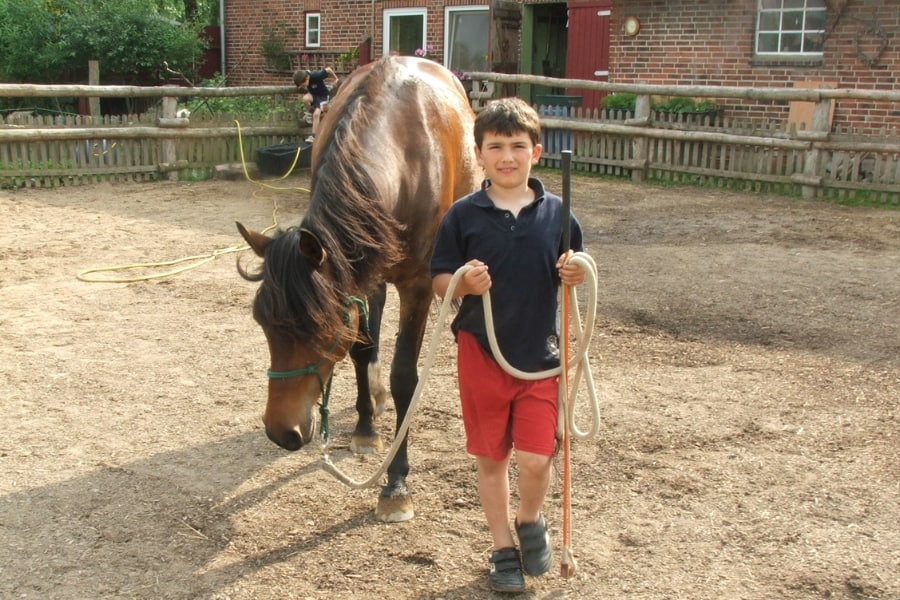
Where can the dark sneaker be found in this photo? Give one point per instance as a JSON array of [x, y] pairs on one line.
[[506, 571], [535, 541]]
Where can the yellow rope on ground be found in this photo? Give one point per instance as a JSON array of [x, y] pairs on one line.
[[200, 259]]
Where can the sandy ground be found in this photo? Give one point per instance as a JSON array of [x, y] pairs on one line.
[[747, 356]]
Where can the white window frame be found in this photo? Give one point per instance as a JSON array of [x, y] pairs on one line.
[[313, 29], [448, 20], [772, 18], [389, 13]]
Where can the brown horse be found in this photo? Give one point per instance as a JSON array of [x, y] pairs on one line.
[[394, 151]]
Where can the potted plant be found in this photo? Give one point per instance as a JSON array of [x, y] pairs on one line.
[[349, 60]]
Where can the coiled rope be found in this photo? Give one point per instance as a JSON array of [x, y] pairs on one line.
[[90, 275], [583, 333]]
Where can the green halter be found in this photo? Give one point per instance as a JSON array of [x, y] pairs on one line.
[[313, 368]]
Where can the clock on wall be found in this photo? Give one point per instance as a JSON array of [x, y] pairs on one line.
[[632, 25]]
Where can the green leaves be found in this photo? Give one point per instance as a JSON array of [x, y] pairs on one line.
[[44, 41]]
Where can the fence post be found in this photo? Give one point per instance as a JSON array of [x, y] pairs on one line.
[[94, 79], [639, 144], [167, 152], [820, 130]]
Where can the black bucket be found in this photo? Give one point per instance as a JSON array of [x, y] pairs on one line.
[[277, 159]]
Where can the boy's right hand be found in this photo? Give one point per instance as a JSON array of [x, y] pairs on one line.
[[477, 280]]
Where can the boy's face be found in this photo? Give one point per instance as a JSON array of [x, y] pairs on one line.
[[507, 159]]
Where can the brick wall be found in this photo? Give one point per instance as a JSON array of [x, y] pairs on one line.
[[345, 24], [709, 42], [681, 42], [341, 29]]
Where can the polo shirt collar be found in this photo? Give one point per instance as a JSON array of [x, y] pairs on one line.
[[483, 200]]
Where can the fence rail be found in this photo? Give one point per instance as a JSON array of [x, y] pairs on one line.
[[49, 151], [717, 150]]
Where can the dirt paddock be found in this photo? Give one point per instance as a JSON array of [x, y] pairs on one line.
[[747, 356]]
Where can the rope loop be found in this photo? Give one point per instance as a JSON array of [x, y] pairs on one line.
[[580, 362]]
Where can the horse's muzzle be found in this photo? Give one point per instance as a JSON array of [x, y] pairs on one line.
[[289, 439]]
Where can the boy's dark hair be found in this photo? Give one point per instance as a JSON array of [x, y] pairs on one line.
[[508, 116], [300, 76]]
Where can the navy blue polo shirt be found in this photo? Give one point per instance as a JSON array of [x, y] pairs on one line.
[[521, 254], [317, 86]]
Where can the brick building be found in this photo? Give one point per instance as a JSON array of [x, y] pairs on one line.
[[752, 43]]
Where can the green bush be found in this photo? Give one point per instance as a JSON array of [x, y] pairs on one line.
[[619, 102], [686, 105], [248, 106]]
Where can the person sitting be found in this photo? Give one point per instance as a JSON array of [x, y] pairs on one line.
[[316, 93]]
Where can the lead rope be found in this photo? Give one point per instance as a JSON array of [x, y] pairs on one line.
[[566, 425]]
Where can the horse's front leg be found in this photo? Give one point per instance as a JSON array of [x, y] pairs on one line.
[[395, 501], [369, 388]]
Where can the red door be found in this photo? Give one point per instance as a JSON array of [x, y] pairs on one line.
[[587, 54]]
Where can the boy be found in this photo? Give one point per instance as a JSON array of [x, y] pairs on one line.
[[316, 95], [510, 231]]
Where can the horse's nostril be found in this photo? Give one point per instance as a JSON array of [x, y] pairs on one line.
[[289, 440]]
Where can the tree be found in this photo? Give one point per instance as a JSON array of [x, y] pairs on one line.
[[53, 40]]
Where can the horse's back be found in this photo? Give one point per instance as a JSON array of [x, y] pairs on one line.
[[407, 124]]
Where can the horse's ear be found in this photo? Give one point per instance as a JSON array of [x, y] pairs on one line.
[[311, 248], [257, 241]]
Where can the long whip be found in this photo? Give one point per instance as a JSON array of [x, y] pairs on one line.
[[567, 566]]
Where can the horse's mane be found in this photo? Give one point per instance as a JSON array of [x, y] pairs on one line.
[[349, 216]]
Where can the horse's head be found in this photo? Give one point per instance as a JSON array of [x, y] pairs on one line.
[[309, 326]]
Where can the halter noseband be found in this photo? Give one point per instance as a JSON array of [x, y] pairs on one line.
[[313, 368]]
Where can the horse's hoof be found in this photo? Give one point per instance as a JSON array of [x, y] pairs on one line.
[[394, 509], [366, 444]]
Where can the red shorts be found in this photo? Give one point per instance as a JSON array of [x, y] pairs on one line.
[[501, 412]]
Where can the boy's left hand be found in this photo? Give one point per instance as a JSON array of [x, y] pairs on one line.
[[569, 274]]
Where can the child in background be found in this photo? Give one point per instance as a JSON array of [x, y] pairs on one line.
[[316, 94]]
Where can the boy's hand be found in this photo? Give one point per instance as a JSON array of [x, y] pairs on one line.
[[477, 280], [569, 274]]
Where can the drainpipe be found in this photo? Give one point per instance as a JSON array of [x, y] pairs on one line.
[[222, 36]]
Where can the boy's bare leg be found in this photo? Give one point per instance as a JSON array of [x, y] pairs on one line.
[[493, 488], [317, 116], [534, 481]]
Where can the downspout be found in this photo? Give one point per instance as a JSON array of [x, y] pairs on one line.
[[222, 37]]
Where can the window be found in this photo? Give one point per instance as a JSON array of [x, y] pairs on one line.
[[404, 31], [313, 27], [789, 28], [466, 38]]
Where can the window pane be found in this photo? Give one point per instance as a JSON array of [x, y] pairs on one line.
[[769, 21], [794, 3], [815, 19], [468, 41], [312, 29], [790, 42], [792, 20], [769, 4], [406, 34], [768, 42]]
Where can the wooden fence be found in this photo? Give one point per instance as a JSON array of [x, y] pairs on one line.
[[718, 150], [49, 151], [814, 160]]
